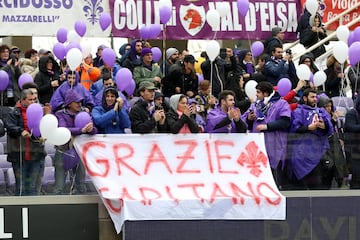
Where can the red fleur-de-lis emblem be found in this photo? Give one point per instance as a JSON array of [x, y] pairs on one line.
[[253, 158]]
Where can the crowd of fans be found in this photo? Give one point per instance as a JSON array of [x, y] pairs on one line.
[[307, 144]]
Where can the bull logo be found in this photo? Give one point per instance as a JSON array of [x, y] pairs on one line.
[[192, 18]]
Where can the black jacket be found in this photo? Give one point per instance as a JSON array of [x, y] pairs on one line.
[[174, 123]]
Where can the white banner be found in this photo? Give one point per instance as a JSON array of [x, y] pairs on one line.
[[182, 177], [45, 17]]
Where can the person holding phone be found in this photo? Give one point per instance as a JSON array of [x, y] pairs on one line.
[[179, 118]]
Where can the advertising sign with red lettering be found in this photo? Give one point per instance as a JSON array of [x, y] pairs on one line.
[[189, 19], [182, 177], [329, 9]]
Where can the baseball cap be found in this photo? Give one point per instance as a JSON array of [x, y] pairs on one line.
[[14, 49], [147, 85], [158, 94], [190, 59]]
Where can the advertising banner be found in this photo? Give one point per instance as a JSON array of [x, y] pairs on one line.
[[182, 177]]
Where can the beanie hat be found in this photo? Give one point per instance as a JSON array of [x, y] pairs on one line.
[[145, 51], [170, 52], [275, 31]]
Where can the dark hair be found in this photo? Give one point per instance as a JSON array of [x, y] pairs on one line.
[[29, 52], [275, 47], [3, 47], [223, 95], [265, 87], [307, 91], [29, 85]]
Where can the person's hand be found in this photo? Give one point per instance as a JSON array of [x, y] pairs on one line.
[[157, 115], [320, 124], [300, 85], [157, 79], [234, 113], [55, 83], [177, 89], [162, 117], [47, 108], [212, 100], [187, 110], [25, 134], [190, 94], [313, 126], [88, 128], [261, 127], [119, 104], [251, 115]]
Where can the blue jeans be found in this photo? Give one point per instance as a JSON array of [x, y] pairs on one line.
[[77, 176], [26, 176]]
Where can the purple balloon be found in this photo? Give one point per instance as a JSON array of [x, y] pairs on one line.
[[59, 51], [130, 88], [105, 21], [351, 38], [243, 7], [357, 34], [123, 78], [257, 48], [354, 55], [109, 56], [80, 28], [34, 113], [145, 32], [4, 80], [81, 119], [156, 54], [24, 78], [154, 30], [165, 14], [72, 45], [284, 86], [311, 78], [61, 35]]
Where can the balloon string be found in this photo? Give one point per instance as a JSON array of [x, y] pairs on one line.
[[211, 77], [164, 47]]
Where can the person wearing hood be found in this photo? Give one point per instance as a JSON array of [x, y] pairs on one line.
[[71, 106], [225, 117], [89, 74], [245, 65], [72, 82], [134, 57], [310, 129], [334, 166], [181, 116], [352, 141], [48, 78], [24, 150], [147, 71], [29, 64], [98, 61], [11, 67], [111, 116], [270, 114], [124, 53]]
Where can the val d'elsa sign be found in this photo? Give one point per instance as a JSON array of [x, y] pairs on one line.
[[182, 177]]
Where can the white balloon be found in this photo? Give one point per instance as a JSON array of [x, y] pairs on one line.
[[74, 58], [213, 19], [212, 49], [60, 136], [312, 6], [72, 36], [165, 3], [340, 51], [250, 89], [48, 125], [86, 48], [303, 72], [319, 78], [342, 33], [223, 8]]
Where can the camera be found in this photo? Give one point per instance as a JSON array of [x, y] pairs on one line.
[[289, 51], [159, 107], [13, 58]]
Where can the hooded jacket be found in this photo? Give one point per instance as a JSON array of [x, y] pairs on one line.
[[44, 78]]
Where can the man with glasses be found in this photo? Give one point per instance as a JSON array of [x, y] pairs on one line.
[[25, 151]]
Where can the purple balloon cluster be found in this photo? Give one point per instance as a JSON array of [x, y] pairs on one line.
[[150, 32], [125, 81]]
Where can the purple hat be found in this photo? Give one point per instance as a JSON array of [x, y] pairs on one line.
[[145, 51]]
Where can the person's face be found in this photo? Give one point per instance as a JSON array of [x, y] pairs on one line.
[[248, 57], [147, 95], [260, 95], [110, 98], [35, 93], [88, 60], [99, 52], [147, 58], [138, 47], [30, 98], [281, 35], [241, 82], [328, 107], [71, 78], [75, 107], [182, 104], [229, 102], [49, 65], [307, 61], [316, 22], [174, 57], [34, 57], [310, 100], [4, 55], [278, 53], [109, 82], [189, 66], [158, 101]]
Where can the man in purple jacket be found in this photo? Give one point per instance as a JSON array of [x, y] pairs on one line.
[[312, 126], [270, 114], [225, 118]]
